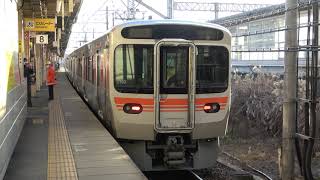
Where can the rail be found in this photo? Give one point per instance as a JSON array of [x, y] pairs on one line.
[[173, 175], [252, 169], [196, 177]]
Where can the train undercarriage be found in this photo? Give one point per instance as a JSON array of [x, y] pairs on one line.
[[173, 152]]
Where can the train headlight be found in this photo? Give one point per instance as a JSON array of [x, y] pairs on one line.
[[211, 107], [132, 108]]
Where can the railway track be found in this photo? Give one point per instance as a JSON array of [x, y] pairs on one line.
[[173, 175], [237, 165], [195, 176]]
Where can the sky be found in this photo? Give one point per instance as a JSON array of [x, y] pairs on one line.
[[91, 21]]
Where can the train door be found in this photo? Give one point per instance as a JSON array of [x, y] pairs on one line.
[[102, 84], [174, 83], [98, 84]]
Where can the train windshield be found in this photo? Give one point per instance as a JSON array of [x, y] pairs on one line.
[[134, 69], [212, 69]]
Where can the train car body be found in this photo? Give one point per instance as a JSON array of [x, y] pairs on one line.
[[13, 86], [161, 87]]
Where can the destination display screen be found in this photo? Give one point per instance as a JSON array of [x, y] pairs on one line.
[[187, 32]]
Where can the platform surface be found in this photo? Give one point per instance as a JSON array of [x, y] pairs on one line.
[[63, 139]]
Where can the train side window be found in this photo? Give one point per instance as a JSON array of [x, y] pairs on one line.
[[102, 69], [93, 65], [89, 69], [79, 67], [133, 72], [98, 68], [84, 67], [74, 66], [71, 65]]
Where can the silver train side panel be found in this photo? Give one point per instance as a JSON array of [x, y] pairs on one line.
[[11, 124]]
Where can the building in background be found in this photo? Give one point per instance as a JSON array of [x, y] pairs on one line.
[[259, 38]]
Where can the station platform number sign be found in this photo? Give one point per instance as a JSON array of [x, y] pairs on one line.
[[42, 39]]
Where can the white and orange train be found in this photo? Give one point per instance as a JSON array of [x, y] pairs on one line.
[[161, 87]]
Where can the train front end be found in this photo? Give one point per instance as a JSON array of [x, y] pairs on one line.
[[171, 95]]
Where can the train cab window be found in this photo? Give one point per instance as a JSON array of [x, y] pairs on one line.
[[212, 69], [133, 72], [174, 70]]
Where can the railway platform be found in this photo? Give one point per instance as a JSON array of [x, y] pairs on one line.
[[62, 139]]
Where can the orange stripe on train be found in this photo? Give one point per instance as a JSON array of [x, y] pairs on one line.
[[198, 110], [144, 106], [171, 106], [170, 102], [211, 100], [142, 101]]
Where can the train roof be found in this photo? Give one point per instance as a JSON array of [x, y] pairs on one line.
[[158, 22], [171, 22]]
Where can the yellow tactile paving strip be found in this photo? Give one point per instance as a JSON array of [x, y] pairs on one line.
[[61, 164]]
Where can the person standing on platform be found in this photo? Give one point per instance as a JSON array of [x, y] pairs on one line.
[[28, 73], [51, 80]]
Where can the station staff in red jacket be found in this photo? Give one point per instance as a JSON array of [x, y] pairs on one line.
[[51, 80]]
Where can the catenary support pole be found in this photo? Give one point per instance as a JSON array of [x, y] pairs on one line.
[[107, 18], [216, 10], [113, 19], [170, 9], [289, 104]]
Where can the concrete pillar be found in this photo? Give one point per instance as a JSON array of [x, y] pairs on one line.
[[20, 45], [44, 62], [290, 82], [38, 66]]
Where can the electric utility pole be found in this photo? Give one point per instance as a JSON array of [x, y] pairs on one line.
[[290, 97]]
